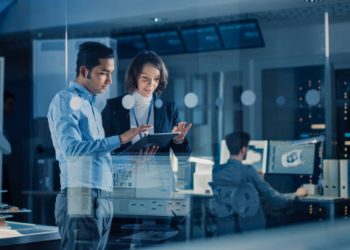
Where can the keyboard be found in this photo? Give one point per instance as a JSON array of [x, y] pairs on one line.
[[319, 197]]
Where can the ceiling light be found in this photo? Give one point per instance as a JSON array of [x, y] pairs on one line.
[[158, 19], [313, 1]]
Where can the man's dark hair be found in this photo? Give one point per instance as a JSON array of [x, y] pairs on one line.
[[236, 141], [135, 69], [90, 54]]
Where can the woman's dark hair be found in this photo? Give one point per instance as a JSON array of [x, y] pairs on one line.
[[90, 54], [236, 141], [136, 66]]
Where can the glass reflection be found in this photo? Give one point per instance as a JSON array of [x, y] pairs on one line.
[[248, 98], [312, 97], [280, 88], [191, 100]]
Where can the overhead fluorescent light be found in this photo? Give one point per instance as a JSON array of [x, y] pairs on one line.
[[313, 1], [158, 19], [318, 126]]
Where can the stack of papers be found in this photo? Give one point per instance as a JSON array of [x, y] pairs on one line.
[[8, 233]]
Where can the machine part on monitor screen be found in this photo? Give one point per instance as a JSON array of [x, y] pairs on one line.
[[253, 157], [292, 158]]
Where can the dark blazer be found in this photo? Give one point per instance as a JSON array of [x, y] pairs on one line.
[[116, 120]]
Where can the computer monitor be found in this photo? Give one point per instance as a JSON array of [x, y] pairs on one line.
[[286, 157], [165, 42], [130, 45], [224, 153], [241, 34], [203, 38], [256, 155], [145, 187]]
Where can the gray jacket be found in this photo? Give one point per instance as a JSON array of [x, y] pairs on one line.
[[234, 173]]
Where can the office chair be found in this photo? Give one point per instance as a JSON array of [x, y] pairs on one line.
[[237, 208]]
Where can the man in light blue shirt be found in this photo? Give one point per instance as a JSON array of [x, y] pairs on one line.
[[83, 210]]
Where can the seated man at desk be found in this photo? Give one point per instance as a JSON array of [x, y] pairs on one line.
[[248, 192]]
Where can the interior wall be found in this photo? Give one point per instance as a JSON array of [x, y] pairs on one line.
[[121, 14], [287, 45]]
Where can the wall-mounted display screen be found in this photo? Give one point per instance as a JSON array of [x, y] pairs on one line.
[[201, 38], [130, 45], [241, 34], [165, 42]]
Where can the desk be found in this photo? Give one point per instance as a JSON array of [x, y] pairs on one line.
[[198, 213], [305, 209], [322, 208], [325, 235], [192, 216], [191, 192], [33, 237], [42, 204]]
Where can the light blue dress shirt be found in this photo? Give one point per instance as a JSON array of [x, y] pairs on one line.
[[77, 134]]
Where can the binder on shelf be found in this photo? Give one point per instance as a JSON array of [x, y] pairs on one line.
[[344, 178], [331, 178]]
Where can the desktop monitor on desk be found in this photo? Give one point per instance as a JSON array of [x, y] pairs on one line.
[[256, 155], [285, 157]]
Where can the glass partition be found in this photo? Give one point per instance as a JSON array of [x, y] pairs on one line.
[[278, 71]]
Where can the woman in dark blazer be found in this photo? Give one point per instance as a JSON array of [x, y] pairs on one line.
[[146, 79]]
